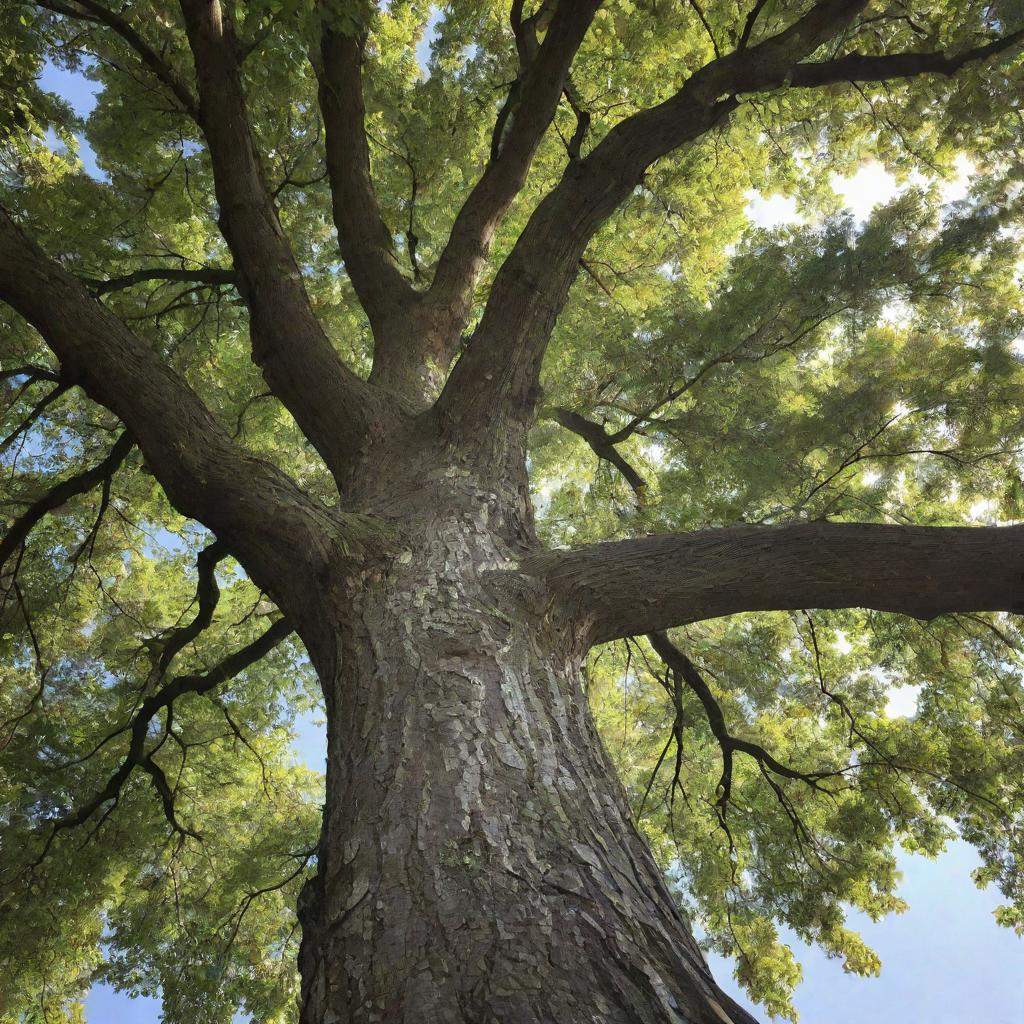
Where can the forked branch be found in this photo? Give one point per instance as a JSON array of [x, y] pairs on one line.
[[730, 744], [602, 444], [363, 238], [329, 402], [544, 72], [138, 756], [99, 14], [61, 493], [500, 370]]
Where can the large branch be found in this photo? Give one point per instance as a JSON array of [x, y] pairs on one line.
[[331, 405], [213, 276], [526, 115], [499, 373], [363, 238], [624, 588], [250, 504], [856, 67], [328, 401]]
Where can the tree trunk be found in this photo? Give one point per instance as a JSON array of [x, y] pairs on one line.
[[478, 861]]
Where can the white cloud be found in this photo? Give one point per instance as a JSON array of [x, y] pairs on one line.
[[902, 701], [871, 186], [771, 211]]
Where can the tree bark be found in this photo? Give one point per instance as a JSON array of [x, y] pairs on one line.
[[623, 588], [478, 861]]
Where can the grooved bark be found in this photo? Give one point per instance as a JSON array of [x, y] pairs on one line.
[[478, 861]]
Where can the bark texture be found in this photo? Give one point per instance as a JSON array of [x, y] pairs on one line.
[[478, 861]]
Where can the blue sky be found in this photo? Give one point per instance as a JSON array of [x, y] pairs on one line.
[[81, 94], [945, 961]]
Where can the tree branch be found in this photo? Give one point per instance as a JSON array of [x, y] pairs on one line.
[[751, 21], [250, 504], [32, 372], [500, 370], [61, 493], [201, 275], [34, 413], [501, 367], [544, 73], [331, 404], [603, 446], [364, 239], [623, 588], [856, 67], [685, 669], [137, 755], [97, 12], [207, 595]]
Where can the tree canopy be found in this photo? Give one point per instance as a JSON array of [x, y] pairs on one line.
[[705, 372]]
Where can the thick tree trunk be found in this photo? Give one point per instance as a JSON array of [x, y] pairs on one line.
[[478, 861]]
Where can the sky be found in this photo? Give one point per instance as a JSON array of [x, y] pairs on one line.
[[944, 961], [74, 87]]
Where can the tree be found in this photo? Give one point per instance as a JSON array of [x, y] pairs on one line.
[[283, 391]]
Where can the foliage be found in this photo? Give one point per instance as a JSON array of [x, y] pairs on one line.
[[828, 369]]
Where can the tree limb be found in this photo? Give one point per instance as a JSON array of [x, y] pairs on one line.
[[544, 74], [623, 588], [137, 755], [201, 275], [500, 369], [327, 400], [749, 24], [9, 728], [603, 446], [364, 239], [32, 372], [683, 667], [856, 67], [207, 595], [63, 492], [256, 508], [330, 403], [97, 12], [34, 413]]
